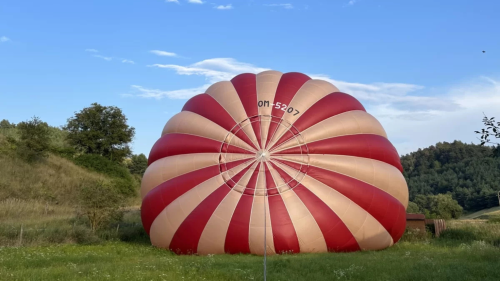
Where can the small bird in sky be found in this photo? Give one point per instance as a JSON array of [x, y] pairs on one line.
[[484, 51]]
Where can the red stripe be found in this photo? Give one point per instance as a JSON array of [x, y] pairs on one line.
[[237, 237], [361, 145], [206, 106], [383, 207], [288, 86], [161, 196], [176, 144], [256, 128], [337, 236], [330, 105], [250, 189], [187, 236], [284, 235], [234, 180], [246, 87], [165, 193], [270, 184]]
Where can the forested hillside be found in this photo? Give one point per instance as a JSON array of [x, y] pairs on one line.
[[471, 173]]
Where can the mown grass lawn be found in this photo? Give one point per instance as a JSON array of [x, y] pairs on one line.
[[128, 261]]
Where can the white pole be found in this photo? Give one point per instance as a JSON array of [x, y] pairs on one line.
[[265, 246]]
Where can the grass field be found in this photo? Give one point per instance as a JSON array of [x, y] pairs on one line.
[[468, 250], [128, 261]]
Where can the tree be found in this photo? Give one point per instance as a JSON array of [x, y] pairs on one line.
[[491, 130], [412, 208], [34, 139], [138, 164], [441, 206], [5, 124], [101, 130]]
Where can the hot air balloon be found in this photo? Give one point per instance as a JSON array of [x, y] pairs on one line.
[[273, 159]]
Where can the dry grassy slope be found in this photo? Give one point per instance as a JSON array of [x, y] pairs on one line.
[[495, 211], [54, 180]]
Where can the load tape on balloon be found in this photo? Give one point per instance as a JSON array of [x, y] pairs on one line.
[[284, 150]]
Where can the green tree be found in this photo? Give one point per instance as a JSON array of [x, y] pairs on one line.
[[412, 208], [441, 206], [492, 129], [101, 130], [34, 139], [138, 164], [5, 124]]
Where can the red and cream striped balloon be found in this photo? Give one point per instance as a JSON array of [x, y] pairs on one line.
[[281, 150]]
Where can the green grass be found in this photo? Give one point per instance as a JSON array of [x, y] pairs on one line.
[[126, 261]]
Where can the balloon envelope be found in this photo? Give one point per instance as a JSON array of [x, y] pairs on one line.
[[278, 152]]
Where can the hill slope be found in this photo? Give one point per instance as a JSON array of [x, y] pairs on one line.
[[471, 173]]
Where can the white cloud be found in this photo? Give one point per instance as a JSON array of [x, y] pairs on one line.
[[103, 57], [91, 50], [352, 2], [222, 7], [172, 1], [413, 116], [286, 6], [128, 61], [163, 53], [196, 1], [4, 39], [176, 94]]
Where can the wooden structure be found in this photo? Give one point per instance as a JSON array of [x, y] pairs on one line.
[[416, 221], [439, 226]]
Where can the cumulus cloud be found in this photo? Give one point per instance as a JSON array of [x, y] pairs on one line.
[[172, 1], [222, 7], [91, 50], [128, 61], [196, 1], [352, 2], [286, 6], [163, 53], [413, 116], [4, 39]]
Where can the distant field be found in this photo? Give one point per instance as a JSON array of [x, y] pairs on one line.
[[495, 211]]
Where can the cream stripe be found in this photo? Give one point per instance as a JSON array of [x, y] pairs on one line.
[[256, 235], [187, 122], [225, 94], [376, 173], [173, 166], [267, 84], [213, 238], [347, 123], [367, 231], [242, 183], [309, 234], [168, 221], [311, 92]]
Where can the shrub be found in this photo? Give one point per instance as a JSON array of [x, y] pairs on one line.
[[100, 202], [122, 179]]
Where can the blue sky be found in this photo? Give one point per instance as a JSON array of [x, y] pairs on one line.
[[417, 66]]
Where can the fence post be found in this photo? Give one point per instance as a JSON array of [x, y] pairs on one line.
[[21, 236]]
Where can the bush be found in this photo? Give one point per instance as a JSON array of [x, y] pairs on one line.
[[460, 234], [100, 202], [122, 179]]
